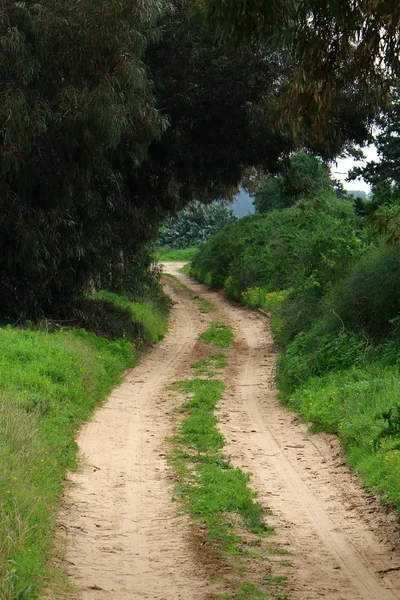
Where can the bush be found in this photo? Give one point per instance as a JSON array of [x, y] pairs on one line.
[[368, 299]]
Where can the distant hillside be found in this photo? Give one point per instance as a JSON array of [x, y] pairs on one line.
[[242, 204]]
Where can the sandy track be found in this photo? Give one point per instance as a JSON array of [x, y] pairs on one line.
[[125, 538], [342, 541]]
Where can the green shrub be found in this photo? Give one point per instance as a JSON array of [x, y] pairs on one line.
[[368, 299]]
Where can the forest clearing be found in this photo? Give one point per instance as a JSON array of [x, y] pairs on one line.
[[127, 536]]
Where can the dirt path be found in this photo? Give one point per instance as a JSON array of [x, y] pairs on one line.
[[125, 538]]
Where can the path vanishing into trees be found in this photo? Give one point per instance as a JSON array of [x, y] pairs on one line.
[[127, 539]]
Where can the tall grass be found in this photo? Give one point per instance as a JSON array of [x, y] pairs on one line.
[[152, 322], [50, 383]]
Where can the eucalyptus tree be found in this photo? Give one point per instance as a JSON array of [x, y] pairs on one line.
[[346, 53], [75, 96]]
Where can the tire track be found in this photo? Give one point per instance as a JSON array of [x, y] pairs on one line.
[[124, 537], [341, 540]]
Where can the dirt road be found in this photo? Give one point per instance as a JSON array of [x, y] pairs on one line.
[[125, 535]]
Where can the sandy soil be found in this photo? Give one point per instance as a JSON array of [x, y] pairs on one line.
[[125, 536]]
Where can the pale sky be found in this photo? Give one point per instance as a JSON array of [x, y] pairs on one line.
[[340, 169]]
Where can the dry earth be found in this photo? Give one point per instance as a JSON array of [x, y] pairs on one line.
[[125, 536]]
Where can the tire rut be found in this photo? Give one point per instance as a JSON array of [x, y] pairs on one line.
[[125, 539], [343, 543]]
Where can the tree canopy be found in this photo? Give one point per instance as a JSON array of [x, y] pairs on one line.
[[303, 177], [344, 50]]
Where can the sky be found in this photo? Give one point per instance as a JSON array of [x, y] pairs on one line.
[[340, 169]]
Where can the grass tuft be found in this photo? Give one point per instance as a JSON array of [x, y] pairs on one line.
[[204, 306], [208, 366], [218, 334]]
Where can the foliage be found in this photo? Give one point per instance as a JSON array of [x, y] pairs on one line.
[[218, 334], [346, 54], [305, 251], [384, 175], [304, 177], [76, 121], [368, 299], [50, 383], [362, 407], [194, 224], [166, 254], [152, 323]]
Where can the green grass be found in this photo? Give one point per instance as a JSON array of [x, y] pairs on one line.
[[214, 492], [361, 406], [50, 383], [170, 255], [153, 324], [218, 334], [204, 306], [185, 269], [208, 366], [176, 282]]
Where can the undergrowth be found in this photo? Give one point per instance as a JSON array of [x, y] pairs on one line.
[[218, 334]]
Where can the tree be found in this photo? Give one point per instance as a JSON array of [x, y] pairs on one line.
[[346, 54], [384, 176], [107, 127], [303, 177], [77, 113], [195, 224]]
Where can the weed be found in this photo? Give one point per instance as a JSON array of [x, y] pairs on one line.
[[204, 306], [208, 366], [218, 334]]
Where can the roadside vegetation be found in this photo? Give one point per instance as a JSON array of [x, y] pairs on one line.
[[51, 380], [330, 282], [216, 494], [168, 254]]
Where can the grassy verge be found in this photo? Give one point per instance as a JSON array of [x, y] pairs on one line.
[[361, 406], [216, 495], [50, 383], [170, 255], [218, 334], [152, 322]]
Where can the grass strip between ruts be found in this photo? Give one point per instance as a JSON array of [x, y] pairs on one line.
[[215, 493], [218, 334]]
